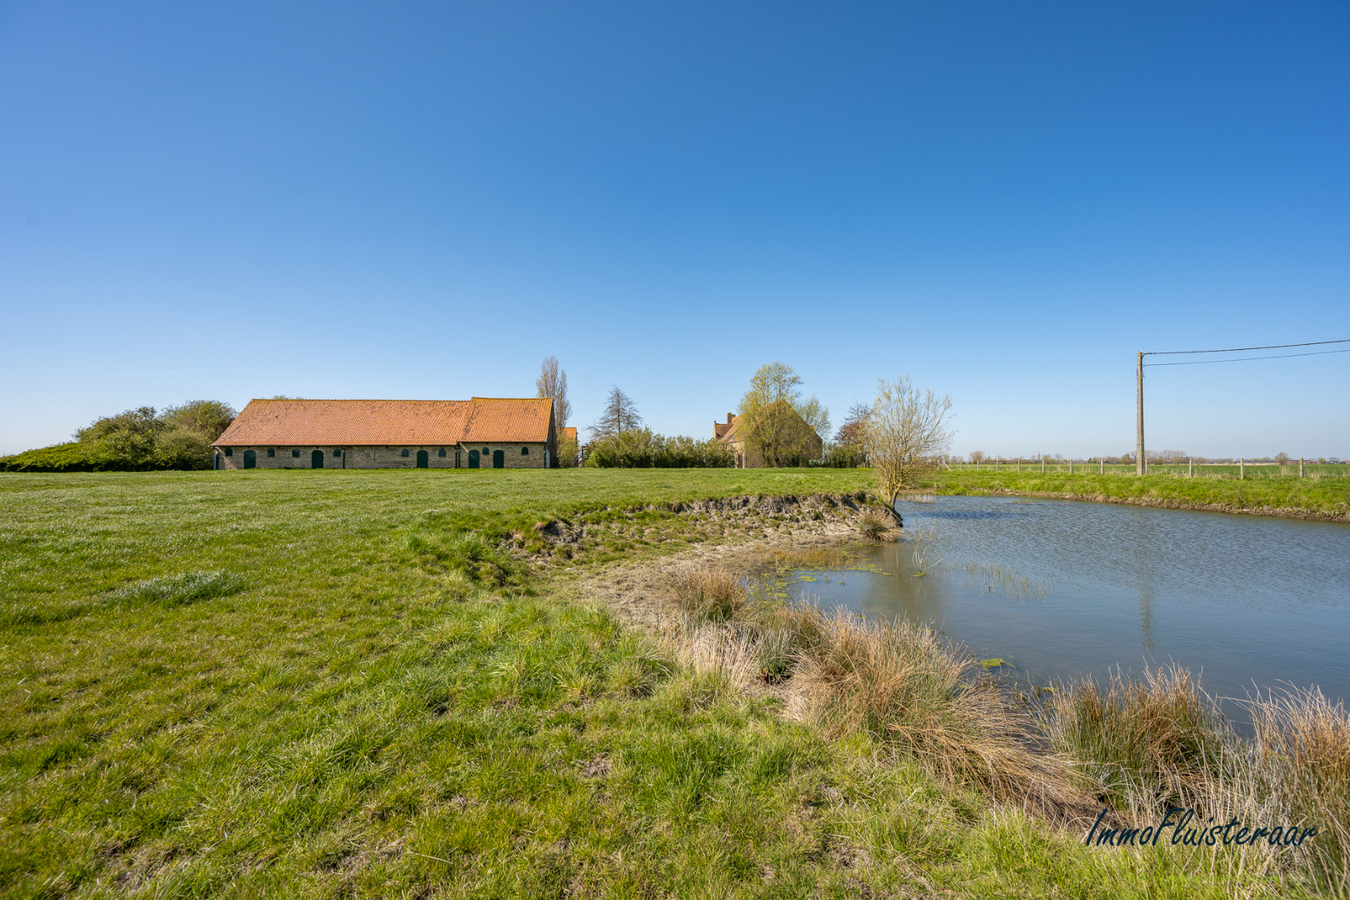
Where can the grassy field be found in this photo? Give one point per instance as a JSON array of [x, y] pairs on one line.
[[1324, 493], [327, 684]]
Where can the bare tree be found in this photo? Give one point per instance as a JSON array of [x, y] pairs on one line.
[[906, 432], [620, 415], [552, 383], [851, 432]]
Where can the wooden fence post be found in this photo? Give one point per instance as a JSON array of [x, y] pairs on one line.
[[1190, 467], [1242, 468], [1300, 467]]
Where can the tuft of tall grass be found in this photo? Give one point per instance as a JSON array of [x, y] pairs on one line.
[[729, 650], [1141, 743], [875, 526], [466, 553], [640, 666], [179, 590], [709, 593], [1301, 751], [1157, 741], [901, 683]]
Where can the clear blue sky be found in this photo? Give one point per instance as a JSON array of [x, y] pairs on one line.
[[1006, 201]]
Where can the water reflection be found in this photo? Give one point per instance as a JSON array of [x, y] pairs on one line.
[[1244, 602]]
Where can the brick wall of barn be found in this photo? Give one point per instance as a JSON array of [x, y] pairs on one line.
[[384, 457]]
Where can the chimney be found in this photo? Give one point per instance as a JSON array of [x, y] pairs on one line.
[[731, 417]]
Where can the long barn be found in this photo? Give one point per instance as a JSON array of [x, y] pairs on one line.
[[485, 432]]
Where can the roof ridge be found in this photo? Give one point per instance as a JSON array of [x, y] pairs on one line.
[[346, 400], [513, 398]]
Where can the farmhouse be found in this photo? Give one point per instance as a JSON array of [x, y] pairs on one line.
[[790, 431], [485, 432]]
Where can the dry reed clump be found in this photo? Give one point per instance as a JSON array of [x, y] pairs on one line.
[[1160, 741], [727, 649], [709, 593], [1140, 743], [901, 683], [877, 526], [1301, 755]]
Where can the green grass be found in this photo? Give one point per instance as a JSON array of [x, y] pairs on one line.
[[1325, 494], [315, 684]]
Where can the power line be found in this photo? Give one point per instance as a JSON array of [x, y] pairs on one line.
[[1244, 349], [1140, 458], [1213, 362]]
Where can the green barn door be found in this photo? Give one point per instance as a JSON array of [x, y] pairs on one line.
[[498, 459], [473, 459], [250, 459], [316, 459], [422, 459]]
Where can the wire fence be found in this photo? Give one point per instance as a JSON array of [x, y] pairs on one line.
[[1241, 469]]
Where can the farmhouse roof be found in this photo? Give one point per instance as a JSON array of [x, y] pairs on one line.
[[730, 433], [389, 422]]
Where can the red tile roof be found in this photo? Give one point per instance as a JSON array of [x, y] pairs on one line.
[[508, 420], [727, 433], [389, 422]]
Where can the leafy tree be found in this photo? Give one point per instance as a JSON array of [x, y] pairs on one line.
[[567, 451], [178, 438], [906, 432], [127, 438], [763, 421], [182, 448], [208, 418], [552, 383], [620, 415]]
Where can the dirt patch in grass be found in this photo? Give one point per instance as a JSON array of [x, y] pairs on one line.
[[643, 592]]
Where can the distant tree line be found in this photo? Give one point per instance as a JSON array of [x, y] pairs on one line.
[[136, 440], [639, 448]]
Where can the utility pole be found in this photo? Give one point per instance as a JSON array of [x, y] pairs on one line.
[[1139, 467]]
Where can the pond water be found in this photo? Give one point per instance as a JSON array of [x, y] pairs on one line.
[[1061, 589]]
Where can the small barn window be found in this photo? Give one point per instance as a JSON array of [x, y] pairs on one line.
[[229, 451], [486, 451], [441, 454], [337, 451], [404, 453], [271, 451], [524, 451], [295, 453]]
